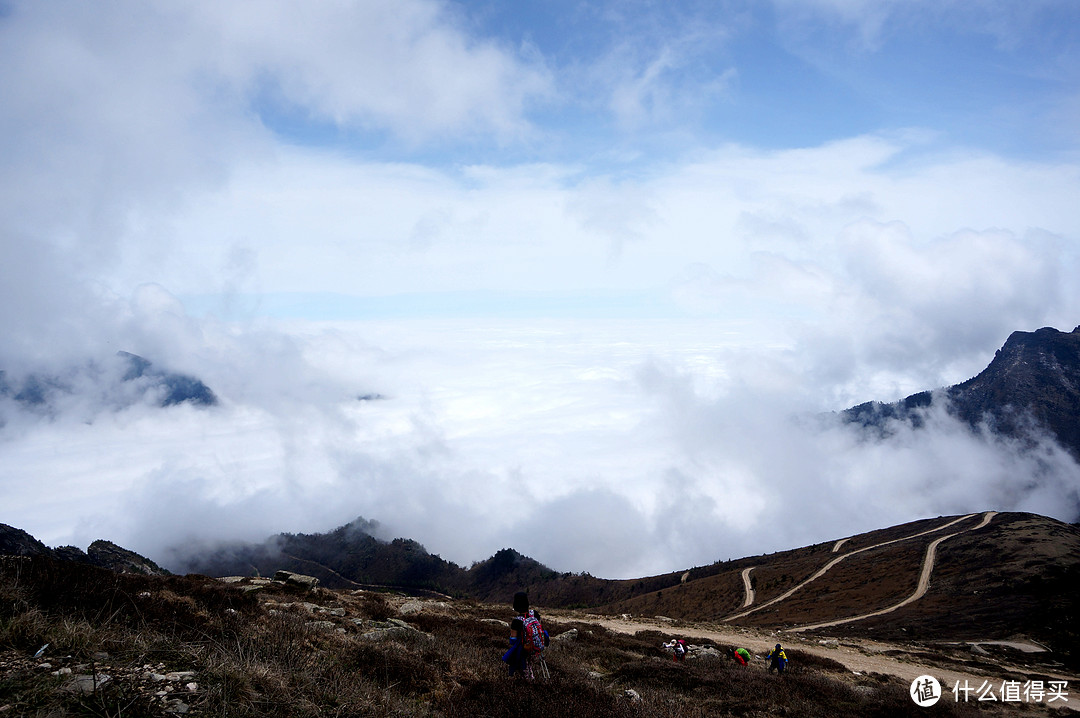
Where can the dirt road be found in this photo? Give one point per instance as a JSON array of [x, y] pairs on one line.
[[824, 569], [921, 588], [857, 655]]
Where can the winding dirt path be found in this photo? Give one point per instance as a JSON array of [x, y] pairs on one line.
[[920, 590], [838, 544], [821, 571], [747, 586]]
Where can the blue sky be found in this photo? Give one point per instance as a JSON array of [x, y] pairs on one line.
[[998, 76], [606, 249]]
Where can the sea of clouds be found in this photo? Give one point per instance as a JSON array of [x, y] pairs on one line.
[[617, 447]]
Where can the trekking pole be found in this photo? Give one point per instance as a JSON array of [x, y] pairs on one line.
[[544, 668]]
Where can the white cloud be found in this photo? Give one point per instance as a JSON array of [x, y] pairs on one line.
[[155, 151]]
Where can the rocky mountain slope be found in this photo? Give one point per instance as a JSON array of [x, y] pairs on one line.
[[1032, 384], [101, 553]]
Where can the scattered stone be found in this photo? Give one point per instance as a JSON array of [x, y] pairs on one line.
[[328, 625], [979, 650], [495, 622], [62, 672], [632, 695], [192, 687], [665, 619]]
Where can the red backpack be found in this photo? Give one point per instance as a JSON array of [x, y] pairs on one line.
[[534, 634]]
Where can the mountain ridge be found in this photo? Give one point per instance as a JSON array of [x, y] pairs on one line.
[[1031, 384]]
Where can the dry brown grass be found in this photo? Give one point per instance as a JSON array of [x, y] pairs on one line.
[[269, 658]]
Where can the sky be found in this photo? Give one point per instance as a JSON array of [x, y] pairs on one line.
[[585, 279]]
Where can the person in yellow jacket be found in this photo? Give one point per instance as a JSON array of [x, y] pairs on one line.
[[777, 659]]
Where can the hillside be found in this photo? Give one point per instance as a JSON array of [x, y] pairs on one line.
[[350, 557], [1016, 575], [78, 640]]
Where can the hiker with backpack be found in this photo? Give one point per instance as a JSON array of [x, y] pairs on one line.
[[777, 660], [678, 649], [528, 639], [739, 655]]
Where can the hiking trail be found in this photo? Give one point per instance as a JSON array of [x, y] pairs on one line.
[[920, 590], [821, 571], [747, 586]]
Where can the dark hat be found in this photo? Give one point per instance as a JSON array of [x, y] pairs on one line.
[[777, 645], [521, 601]]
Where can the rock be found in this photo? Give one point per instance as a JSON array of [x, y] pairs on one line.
[[179, 675], [495, 622], [296, 579], [83, 683], [393, 628], [178, 707], [328, 625], [565, 636], [979, 650], [632, 695]]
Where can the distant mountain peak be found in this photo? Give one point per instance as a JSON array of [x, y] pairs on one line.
[[105, 385], [101, 553], [1034, 378]]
